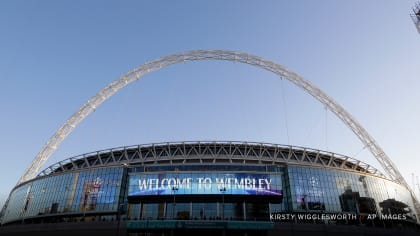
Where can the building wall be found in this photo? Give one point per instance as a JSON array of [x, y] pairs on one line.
[[316, 189], [87, 191], [101, 191]]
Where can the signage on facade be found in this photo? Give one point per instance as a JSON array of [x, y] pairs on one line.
[[204, 183]]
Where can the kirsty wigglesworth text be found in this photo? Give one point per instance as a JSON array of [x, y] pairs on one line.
[[308, 216]]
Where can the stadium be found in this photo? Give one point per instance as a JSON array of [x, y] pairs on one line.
[[208, 187]]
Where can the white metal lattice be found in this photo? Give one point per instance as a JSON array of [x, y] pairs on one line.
[[196, 55], [226, 152]]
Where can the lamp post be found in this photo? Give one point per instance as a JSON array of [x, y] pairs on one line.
[[174, 190], [223, 190]]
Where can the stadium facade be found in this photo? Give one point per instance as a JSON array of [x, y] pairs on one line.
[[186, 188], [230, 186]]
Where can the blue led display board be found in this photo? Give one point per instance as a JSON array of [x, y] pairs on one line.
[[204, 183]]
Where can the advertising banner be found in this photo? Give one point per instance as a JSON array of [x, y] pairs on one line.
[[204, 183]]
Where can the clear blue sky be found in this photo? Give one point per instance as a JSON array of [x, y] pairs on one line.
[[55, 55]]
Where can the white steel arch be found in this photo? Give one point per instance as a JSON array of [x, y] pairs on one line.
[[52, 144]]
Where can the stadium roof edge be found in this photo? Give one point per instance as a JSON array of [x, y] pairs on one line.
[[211, 152]]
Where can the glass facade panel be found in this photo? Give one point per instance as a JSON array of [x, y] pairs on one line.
[[198, 211], [223, 192], [201, 211], [96, 190], [327, 190]]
